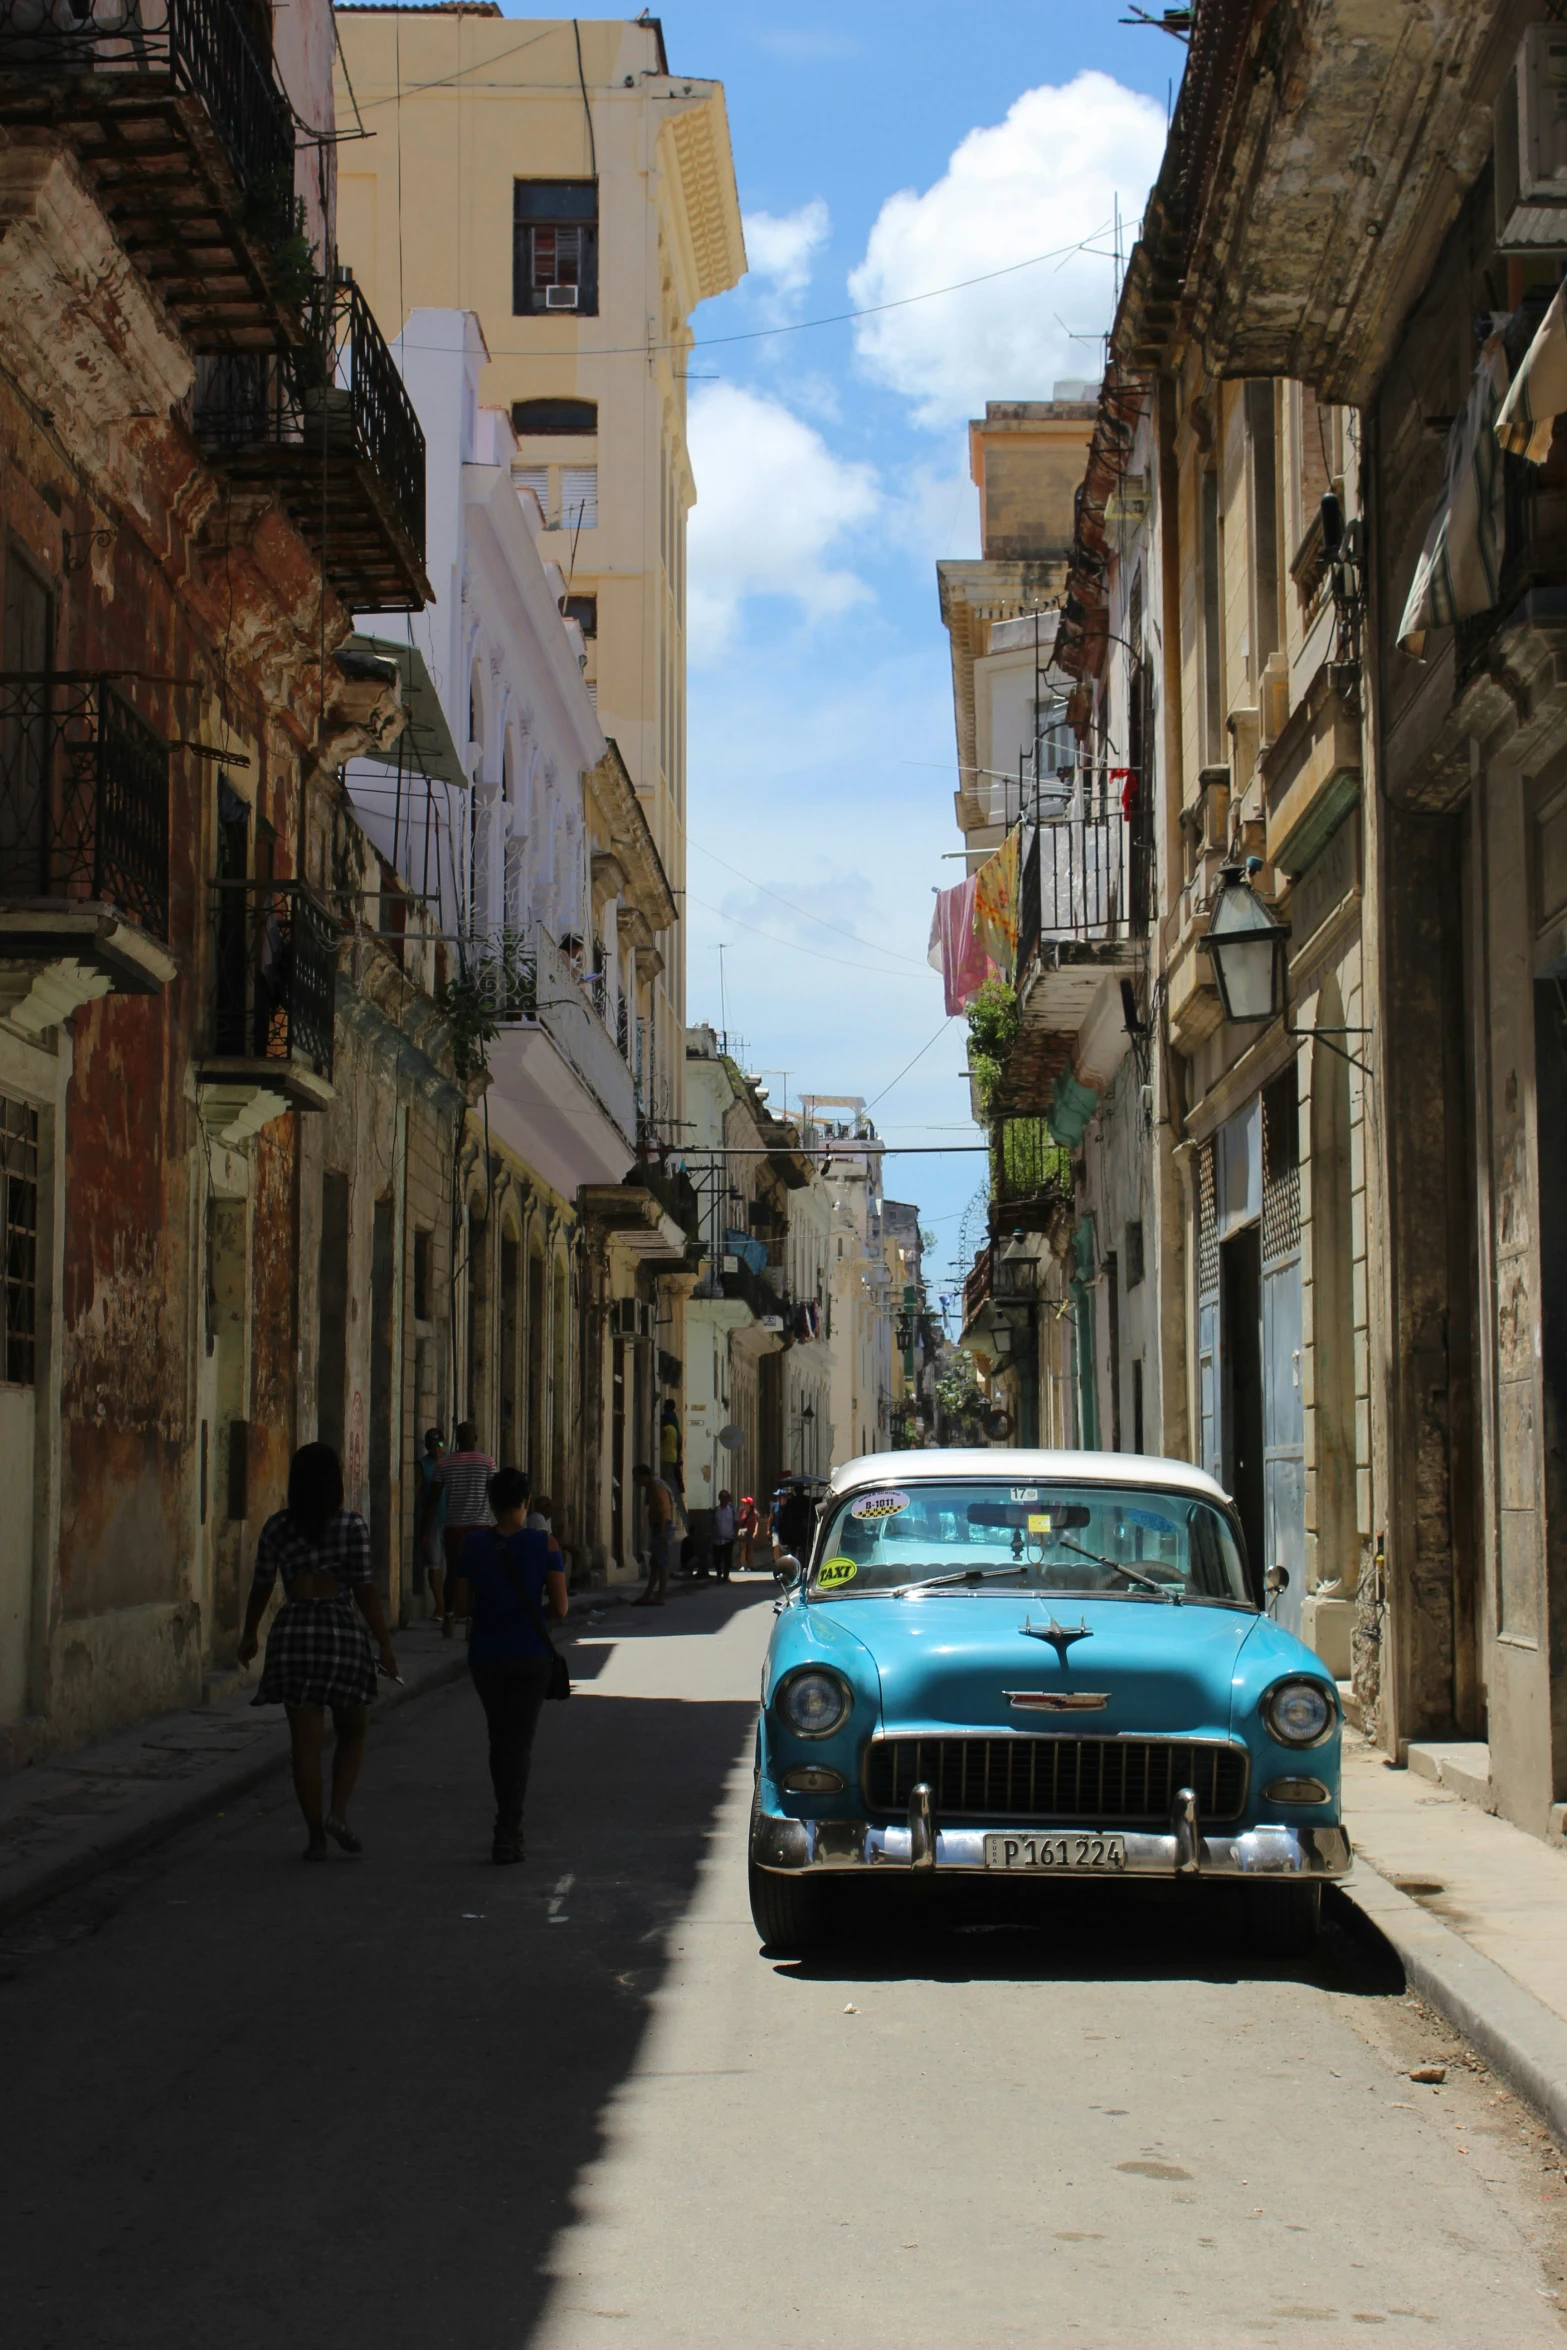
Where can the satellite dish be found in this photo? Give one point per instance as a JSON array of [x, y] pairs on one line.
[[731, 1438]]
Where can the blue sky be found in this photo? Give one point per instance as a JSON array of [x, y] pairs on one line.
[[881, 152]]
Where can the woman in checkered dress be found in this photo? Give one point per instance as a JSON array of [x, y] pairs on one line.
[[318, 1652]]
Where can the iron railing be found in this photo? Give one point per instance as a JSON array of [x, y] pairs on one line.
[[195, 47], [1084, 877], [977, 1284], [84, 797], [276, 975], [1027, 1163], [328, 424]]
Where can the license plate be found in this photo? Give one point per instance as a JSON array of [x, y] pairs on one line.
[[1069, 1851]]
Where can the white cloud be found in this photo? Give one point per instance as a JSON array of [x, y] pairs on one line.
[[774, 507], [781, 246], [1045, 178]]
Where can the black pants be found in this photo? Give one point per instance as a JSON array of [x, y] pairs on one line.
[[511, 1696], [723, 1560]]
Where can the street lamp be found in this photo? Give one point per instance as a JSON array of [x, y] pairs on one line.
[[1246, 945]]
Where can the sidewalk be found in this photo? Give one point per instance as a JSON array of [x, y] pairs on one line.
[[61, 1821], [1477, 1912]]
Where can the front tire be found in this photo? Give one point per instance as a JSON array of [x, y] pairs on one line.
[[1284, 1920]]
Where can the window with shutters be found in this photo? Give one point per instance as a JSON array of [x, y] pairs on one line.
[[555, 242], [579, 497]]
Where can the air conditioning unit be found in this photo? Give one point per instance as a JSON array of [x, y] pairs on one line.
[[561, 297], [1530, 125]]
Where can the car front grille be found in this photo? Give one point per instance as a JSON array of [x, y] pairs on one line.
[[1092, 1779]]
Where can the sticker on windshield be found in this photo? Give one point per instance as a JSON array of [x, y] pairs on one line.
[[1024, 1493], [836, 1571], [1039, 1521], [879, 1505]]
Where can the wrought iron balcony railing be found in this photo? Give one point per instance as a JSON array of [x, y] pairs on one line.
[[84, 798], [328, 426], [1086, 877], [276, 975], [1027, 1164], [188, 139]]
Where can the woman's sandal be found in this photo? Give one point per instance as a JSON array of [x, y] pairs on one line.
[[315, 1852], [341, 1833]]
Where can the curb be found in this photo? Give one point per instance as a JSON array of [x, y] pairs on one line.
[[1521, 2039]]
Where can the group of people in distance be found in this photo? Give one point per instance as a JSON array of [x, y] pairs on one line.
[[501, 1568]]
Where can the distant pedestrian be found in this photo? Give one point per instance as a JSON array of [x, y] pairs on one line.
[[509, 1574], [465, 1475], [724, 1536], [318, 1652], [541, 1513], [671, 1459], [659, 1503], [748, 1525], [430, 1521]]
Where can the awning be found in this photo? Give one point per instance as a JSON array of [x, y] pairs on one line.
[[1539, 390], [425, 747], [1460, 567]]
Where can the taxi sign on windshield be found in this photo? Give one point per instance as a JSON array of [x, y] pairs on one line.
[[879, 1505]]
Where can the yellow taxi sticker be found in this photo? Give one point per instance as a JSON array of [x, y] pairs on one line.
[[1038, 1522], [838, 1570], [879, 1505]]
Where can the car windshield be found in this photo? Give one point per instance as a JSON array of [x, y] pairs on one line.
[[1100, 1541]]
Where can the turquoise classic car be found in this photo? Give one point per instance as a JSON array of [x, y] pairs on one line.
[[1044, 1664]]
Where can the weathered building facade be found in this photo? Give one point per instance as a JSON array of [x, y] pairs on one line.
[[208, 463], [1331, 415]]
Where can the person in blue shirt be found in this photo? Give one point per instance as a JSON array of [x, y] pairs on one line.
[[508, 1648]]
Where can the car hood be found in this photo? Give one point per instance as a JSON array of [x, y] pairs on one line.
[[954, 1662]]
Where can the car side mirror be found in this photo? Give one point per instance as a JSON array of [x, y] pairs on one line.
[[787, 1570], [1277, 1579]]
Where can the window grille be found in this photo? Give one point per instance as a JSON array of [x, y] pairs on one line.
[[19, 1208], [1281, 1167], [1207, 1222]]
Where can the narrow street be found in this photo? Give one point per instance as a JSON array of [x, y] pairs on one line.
[[420, 2101]]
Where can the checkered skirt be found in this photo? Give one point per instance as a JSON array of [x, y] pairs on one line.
[[318, 1653]]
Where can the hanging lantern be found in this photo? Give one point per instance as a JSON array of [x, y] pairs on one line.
[[1246, 945]]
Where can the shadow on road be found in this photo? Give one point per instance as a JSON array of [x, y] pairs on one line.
[[1085, 1933], [285, 2108]]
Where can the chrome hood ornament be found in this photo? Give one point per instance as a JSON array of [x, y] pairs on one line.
[[1060, 1636]]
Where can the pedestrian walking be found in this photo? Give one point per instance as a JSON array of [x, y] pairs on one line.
[[748, 1525], [318, 1650], [724, 1535], [509, 1573], [659, 1503], [430, 1521], [671, 1458], [465, 1475]]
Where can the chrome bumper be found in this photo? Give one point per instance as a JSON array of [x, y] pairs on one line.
[[793, 1847]]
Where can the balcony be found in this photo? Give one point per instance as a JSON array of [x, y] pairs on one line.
[[84, 847], [1030, 1175], [273, 1007], [1083, 911], [327, 427], [561, 1094], [188, 142]]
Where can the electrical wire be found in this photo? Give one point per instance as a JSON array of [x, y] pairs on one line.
[[908, 1065], [876, 970]]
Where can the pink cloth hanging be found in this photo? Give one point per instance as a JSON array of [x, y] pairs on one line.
[[965, 966]]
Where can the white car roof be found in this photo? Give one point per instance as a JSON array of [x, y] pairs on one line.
[[1013, 1465]]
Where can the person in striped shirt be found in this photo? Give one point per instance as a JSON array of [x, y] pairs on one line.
[[464, 1474]]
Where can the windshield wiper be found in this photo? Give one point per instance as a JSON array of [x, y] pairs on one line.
[[964, 1575], [1133, 1574]]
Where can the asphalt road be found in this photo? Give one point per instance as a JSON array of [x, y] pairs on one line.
[[416, 2101]]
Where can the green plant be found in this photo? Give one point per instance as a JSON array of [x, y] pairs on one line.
[[275, 213], [992, 1027], [498, 983]]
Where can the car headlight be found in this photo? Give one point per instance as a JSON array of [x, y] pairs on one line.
[[813, 1702], [1299, 1712]]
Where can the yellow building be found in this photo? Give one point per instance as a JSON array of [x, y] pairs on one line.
[[553, 176]]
